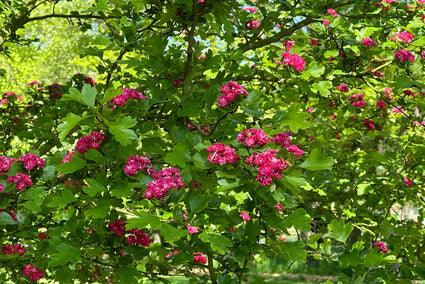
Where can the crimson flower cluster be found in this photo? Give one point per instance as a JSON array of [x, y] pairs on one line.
[[89, 141], [403, 55], [284, 139], [31, 161], [369, 124], [253, 137], [138, 163], [357, 100], [126, 95], [368, 42], [198, 257], [381, 104], [165, 180], [68, 157], [16, 248], [269, 165], [294, 60], [404, 36], [230, 91], [332, 12], [21, 180], [222, 154], [5, 163], [89, 81], [33, 83], [33, 272], [343, 88], [9, 95], [136, 236], [55, 91], [252, 24], [294, 149], [315, 41], [118, 227], [381, 246]]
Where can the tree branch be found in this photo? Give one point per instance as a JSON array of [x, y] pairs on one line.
[[189, 50], [291, 30]]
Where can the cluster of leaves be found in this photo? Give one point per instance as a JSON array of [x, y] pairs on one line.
[[343, 195]]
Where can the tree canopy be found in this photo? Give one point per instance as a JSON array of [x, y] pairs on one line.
[[144, 138]]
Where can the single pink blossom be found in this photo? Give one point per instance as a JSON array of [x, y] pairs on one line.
[[192, 230], [245, 216], [381, 246], [408, 182], [279, 207], [332, 12]]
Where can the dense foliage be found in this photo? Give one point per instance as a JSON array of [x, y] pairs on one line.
[[216, 132]]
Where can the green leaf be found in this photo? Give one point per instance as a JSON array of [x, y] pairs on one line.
[[74, 95], [295, 180], [323, 87], [364, 188], [127, 275], [224, 185], [94, 187], [66, 197], [201, 162], [178, 156], [123, 189], [218, 242], [299, 219], [68, 123], [339, 230], [294, 250], [373, 258], [65, 254], [100, 210], [317, 161], [145, 219], [386, 229], [316, 70], [35, 196], [102, 5], [252, 229], [64, 275], [74, 165], [88, 95], [294, 119], [172, 234], [49, 172], [119, 129], [350, 259], [198, 201], [6, 219], [110, 94], [95, 155]]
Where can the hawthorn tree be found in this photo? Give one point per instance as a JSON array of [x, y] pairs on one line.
[[217, 131]]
